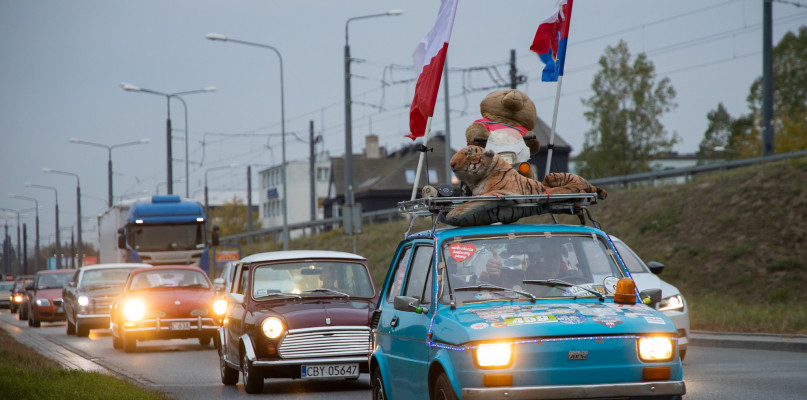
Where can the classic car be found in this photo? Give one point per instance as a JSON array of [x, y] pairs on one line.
[[6, 298], [89, 294], [297, 314], [518, 311], [44, 296], [673, 304], [18, 293], [165, 302]]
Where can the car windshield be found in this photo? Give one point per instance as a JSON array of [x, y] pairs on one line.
[[317, 278], [6, 285], [632, 261], [542, 264], [167, 237], [108, 277], [169, 278], [53, 281]]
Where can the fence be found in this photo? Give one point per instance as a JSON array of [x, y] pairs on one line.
[[675, 175]]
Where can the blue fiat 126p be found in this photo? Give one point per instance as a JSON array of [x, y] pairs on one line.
[[518, 311]]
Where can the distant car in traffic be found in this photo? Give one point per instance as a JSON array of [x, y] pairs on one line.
[[89, 294], [165, 302], [672, 303], [298, 315], [18, 294], [6, 298], [44, 296]]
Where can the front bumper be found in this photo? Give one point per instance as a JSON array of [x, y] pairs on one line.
[[293, 368], [93, 321], [614, 390], [173, 328], [49, 313]]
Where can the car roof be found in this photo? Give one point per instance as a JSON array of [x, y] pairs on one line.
[[114, 265], [507, 228], [300, 255], [55, 271]]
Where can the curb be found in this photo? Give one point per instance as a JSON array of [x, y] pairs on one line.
[[752, 341]]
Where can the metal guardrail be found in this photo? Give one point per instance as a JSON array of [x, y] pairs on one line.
[[624, 180]]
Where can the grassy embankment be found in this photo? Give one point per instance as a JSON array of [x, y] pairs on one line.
[[734, 243], [27, 375]]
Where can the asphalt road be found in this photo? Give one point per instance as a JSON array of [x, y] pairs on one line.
[[184, 370]]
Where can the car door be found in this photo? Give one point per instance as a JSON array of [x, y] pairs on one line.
[[409, 349], [236, 310], [70, 297]]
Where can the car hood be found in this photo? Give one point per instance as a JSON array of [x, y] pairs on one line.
[[100, 291], [309, 313], [54, 293], [552, 319], [647, 280], [175, 302]]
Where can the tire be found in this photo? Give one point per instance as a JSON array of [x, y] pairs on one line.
[[82, 331], [682, 353], [229, 376], [22, 313], [253, 380], [32, 320], [204, 341], [377, 385], [71, 328], [442, 389], [128, 342]]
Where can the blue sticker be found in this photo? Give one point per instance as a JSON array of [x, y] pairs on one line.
[[571, 319]]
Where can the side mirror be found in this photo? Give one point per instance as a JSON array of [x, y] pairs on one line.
[[235, 298], [651, 297], [214, 236], [408, 304], [655, 267], [29, 286], [121, 239]]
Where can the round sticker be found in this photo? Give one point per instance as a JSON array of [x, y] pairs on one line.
[[610, 284], [460, 252], [479, 325], [499, 324]]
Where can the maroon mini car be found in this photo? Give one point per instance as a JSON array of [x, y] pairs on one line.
[[297, 314], [44, 296], [165, 302]]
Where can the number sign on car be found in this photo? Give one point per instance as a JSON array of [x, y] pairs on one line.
[[329, 371], [180, 325]]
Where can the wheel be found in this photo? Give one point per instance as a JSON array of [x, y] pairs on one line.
[[71, 328], [377, 384], [32, 320], [253, 381], [82, 330], [117, 344], [22, 313], [229, 376], [204, 341], [442, 389], [128, 342]]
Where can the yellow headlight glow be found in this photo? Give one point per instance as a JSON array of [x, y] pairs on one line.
[[272, 327], [83, 300], [18, 299], [220, 306], [493, 355], [134, 310], [656, 349]]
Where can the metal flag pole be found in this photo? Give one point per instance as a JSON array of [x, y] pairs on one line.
[[552, 133], [422, 154]]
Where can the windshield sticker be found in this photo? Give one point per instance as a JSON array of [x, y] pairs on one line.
[[654, 320], [610, 284], [537, 319], [572, 319], [460, 252], [608, 320], [479, 325]]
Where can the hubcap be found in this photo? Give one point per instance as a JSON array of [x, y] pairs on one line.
[[245, 368], [379, 394]]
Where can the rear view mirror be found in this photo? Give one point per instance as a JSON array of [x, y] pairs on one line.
[[651, 297], [29, 286]]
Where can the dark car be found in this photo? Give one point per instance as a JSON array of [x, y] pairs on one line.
[[299, 315], [90, 293], [165, 302], [18, 294], [44, 296], [6, 299]]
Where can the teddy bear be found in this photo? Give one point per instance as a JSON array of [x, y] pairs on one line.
[[505, 109]]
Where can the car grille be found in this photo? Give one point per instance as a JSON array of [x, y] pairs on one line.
[[100, 305], [325, 342]]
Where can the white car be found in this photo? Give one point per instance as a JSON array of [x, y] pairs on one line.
[[672, 304]]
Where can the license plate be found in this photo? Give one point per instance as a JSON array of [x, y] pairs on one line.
[[329, 371], [180, 326]]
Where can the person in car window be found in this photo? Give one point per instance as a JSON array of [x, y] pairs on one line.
[[327, 278], [548, 264]]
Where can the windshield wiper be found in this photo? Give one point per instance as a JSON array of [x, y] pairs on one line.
[[487, 286], [326, 290], [558, 282], [278, 295]]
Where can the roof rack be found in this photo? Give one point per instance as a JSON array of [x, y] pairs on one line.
[[545, 204]]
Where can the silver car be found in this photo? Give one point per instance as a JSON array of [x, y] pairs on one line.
[[672, 304]]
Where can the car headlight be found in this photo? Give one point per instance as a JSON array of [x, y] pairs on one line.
[[220, 306], [134, 310], [83, 301], [494, 355], [656, 349], [672, 303], [272, 327], [42, 302], [18, 299]]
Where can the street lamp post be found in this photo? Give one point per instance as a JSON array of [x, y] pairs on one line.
[[223, 38], [36, 245], [132, 88], [58, 243], [19, 249], [349, 196], [207, 207], [78, 210], [109, 162]]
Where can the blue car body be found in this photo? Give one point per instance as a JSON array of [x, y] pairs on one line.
[[574, 345]]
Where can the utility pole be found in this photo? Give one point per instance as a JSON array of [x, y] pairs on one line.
[[513, 77], [25, 250], [249, 203], [311, 165], [767, 79]]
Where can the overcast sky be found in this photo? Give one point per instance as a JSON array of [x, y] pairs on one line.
[[63, 61]]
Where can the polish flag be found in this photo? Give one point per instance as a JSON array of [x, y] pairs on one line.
[[429, 58]]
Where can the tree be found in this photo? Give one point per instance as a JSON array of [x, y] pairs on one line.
[[722, 134], [625, 112], [789, 104], [232, 218]]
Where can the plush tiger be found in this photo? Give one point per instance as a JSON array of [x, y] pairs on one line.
[[486, 173]]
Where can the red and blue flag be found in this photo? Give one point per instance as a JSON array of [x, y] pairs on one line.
[[550, 40]]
